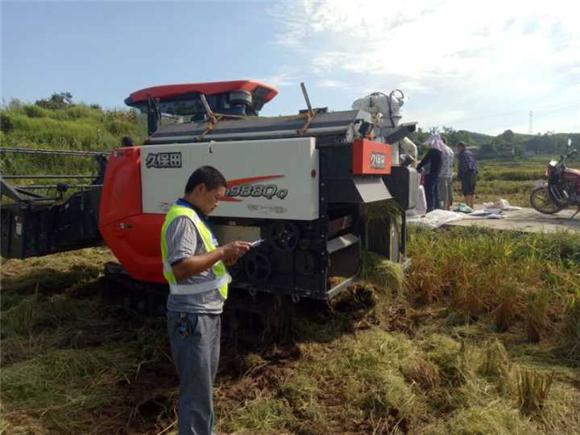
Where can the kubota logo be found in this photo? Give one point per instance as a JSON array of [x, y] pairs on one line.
[[377, 161], [250, 188]]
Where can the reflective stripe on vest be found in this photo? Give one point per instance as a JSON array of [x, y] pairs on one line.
[[219, 269]]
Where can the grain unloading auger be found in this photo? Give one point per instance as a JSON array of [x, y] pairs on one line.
[[301, 183]]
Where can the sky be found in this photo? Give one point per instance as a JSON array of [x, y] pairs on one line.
[[474, 65]]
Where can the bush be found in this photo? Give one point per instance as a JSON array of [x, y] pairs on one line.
[[56, 101], [6, 123], [80, 112], [33, 111]]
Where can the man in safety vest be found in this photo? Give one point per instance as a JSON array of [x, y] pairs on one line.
[[194, 267]]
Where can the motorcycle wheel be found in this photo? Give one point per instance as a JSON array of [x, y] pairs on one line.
[[541, 200]]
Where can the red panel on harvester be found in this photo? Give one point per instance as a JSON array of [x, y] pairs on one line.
[[121, 194], [131, 235], [371, 158]]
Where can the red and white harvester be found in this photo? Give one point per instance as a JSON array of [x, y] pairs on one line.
[[299, 182]]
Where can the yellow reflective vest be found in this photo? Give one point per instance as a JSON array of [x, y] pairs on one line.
[[222, 277]]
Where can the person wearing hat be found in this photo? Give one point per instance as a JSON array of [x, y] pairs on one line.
[[430, 166]]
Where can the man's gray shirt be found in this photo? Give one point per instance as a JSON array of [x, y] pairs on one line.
[[183, 241]]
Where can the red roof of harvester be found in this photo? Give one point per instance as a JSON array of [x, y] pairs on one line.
[[211, 88]]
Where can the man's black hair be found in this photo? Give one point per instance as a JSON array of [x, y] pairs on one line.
[[461, 144], [208, 175], [127, 141]]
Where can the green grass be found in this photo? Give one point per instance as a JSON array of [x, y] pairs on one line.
[[78, 127], [521, 172], [496, 418], [66, 357], [385, 274], [511, 180], [421, 355], [64, 385]]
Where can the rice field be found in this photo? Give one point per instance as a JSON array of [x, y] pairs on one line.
[[480, 336]]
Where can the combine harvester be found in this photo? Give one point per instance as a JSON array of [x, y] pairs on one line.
[[299, 182]]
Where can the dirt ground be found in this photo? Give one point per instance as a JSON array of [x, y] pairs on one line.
[[525, 220]]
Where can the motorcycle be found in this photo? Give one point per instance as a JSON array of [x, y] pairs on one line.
[[562, 189]]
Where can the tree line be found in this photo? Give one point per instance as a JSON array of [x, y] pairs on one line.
[[505, 145]]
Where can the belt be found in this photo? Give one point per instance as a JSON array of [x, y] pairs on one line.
[[202, 287]]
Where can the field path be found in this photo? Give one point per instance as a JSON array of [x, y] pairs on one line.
[[526, 220]]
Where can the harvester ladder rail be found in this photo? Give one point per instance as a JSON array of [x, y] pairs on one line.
[[44, 177], [54, 186], [46, 151]]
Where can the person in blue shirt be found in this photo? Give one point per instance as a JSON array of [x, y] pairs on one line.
[[467, 173]]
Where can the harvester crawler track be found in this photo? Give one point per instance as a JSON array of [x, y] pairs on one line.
[[249, 317]]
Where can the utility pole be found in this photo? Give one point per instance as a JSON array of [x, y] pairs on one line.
[[531, 123]]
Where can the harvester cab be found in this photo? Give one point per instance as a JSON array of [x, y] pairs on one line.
[[305, 184], [200, 101]]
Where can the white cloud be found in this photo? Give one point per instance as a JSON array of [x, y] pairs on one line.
[[327, 83], [281, 78], [475, 58], [413, 85]]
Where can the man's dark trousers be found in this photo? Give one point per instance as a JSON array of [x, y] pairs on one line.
[[431, 191], [195, 347]]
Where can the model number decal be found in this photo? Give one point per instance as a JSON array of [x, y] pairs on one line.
[[163, 160], [377, 161], [268, 191]]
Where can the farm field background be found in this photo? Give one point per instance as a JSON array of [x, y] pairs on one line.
[[58, 124], [480, 336]]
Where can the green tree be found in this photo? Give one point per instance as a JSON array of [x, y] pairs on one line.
[[507, 136], [487, 150], [56, 101]]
